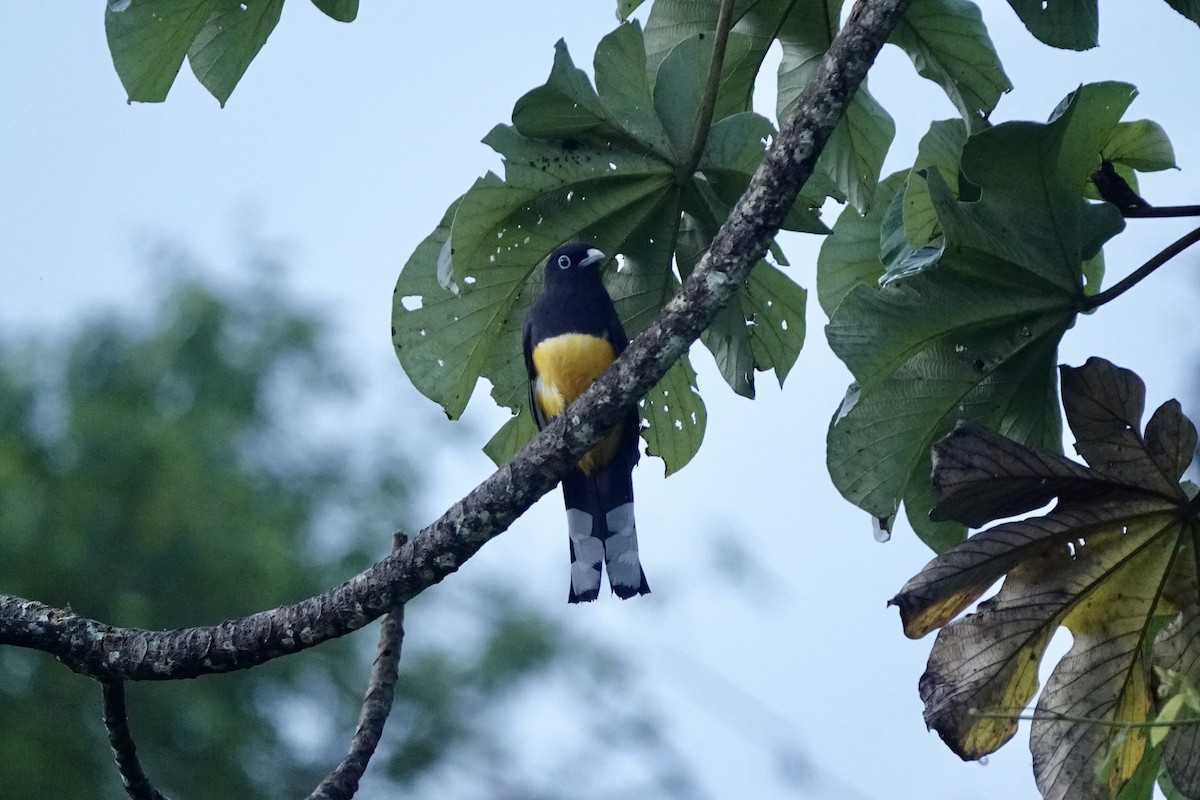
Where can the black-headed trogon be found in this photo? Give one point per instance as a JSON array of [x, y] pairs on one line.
[[571, 335]]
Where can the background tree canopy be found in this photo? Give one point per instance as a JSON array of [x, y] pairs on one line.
[[161, 471]]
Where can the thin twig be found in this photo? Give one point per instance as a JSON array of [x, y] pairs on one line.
[[1162, 211], [124, 750], [1054, 716], [1135, 277], [708, 101], [342, 782]]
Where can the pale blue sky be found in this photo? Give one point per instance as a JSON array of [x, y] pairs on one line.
[[348, 142]]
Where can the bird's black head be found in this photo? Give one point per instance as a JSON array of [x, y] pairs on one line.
[[572, 261]]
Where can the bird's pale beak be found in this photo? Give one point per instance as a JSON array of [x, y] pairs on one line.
[[593, 255]]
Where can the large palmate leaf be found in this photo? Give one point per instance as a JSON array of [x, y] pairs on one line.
[[1114, 562], [945, 39], [968, 327], [600, 164]]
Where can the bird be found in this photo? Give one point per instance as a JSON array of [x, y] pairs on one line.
[[571, 335]]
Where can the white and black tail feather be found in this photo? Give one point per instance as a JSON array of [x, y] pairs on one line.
[[601, 526]]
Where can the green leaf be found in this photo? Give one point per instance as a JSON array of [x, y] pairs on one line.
[[229, 41], [1189, 8], [438, 335], [940, 149], [567, 105], [762, 326], [726, 337], [732, 152], [976, 341], [673, 23], [851, 254], [511, 437], [1141, 785], [973, 334], [341, 10], [1142, 145], [676, 417], [1069, 24], [1110, 560], [949, 45], [678, 87], [627, 7], [148, 40], [851, 161], [774, 306], [853, 156], [894, 247]]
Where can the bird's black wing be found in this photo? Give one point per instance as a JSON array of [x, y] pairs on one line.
[[527, 343]]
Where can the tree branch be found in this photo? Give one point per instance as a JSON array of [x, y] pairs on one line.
[[1142, 272], [1160, 212], [342, 782], [124, 750], [111, 653]]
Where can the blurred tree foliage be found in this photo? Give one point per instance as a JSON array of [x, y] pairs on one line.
[[167, 472]]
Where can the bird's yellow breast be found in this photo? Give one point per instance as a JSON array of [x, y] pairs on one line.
[[566, 365]]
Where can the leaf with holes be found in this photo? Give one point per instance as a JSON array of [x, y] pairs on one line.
[[675, 417], [1114, 561], [971, 331], [599, 164]]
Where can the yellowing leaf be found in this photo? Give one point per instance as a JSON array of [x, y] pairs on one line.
[[1112, 558]]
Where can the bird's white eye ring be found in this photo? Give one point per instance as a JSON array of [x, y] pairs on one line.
[[564, 262]]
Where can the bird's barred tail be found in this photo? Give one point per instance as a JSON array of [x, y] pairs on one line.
[[601, 525]]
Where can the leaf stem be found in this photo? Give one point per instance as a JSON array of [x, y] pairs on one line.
[[1135, 277], [708, 101], [1162, 212]]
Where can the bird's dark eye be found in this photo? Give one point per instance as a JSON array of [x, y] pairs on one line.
[[564, 262]]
